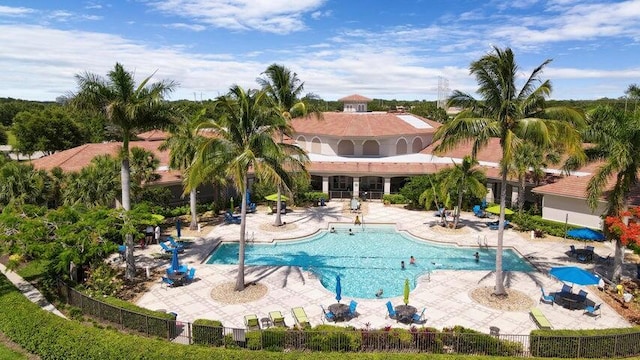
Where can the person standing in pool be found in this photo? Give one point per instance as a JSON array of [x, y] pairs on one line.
[[402, 264], [477, 256], [412, 260]]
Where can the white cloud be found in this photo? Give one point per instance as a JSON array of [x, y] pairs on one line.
[[192, 27], [14, 11], [275, 16]]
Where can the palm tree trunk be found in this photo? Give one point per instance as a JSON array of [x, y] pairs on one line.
[[278, 221], [194, 211], [456, 214], [499, 288], [243, 225], [125, 179]]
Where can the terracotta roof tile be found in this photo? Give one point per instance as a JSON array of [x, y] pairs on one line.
[[153, 135], [354, 98], [361, 125]]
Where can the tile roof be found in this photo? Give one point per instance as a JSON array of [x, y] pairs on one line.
[[153, 135], [354, 98], [361, 125], [576, 187]]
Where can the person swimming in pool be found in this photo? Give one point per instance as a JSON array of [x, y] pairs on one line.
[[332, 229], [350, 232], [379, 293]]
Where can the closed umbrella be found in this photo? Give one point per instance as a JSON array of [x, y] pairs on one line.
[[178, 228], [407, 289], [495, 209], [586, 234], [274, 197], [338, 289], [574, 274], [175, 264]]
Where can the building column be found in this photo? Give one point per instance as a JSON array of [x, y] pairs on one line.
[[490, 198], [325, 185], [356, 187], [514, 195], [387, 185]]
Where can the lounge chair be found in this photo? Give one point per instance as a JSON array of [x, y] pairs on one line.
[[591, 310], [277, 319], [547, 299], [176, 244], [419, 318], [391, 312], [167, 282], [328, 314], [478, 212], [495, 225], [251, 322], [168, 249], [352, 309], [251, 208], [231, 219], [191, 275], [300, 317], [539, 318]]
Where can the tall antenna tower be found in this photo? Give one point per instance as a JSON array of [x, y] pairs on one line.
[[443, 92]]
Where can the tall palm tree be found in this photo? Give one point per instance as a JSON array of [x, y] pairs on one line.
[[511, 115], [129, 108], [243, 139], [466, 178], [616, 135], [183, 143], [285, 90]]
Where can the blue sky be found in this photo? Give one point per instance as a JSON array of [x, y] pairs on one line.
[[381, 49]]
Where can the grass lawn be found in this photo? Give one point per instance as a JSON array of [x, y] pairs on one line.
[[11, 139], [7, 353]]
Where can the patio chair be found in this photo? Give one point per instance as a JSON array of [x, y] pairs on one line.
[[167, 282], [277, 319], [251, 322], [328, 315], [591, 310], [419, 318], [352, 309], [168, 249], [251, 208], [177, 245], [231, 219], [566, 288], [572, 250], [478, 212], [391, 312], [191, 275], [547, 298], [583, 295], [590, 248], [300, 316]]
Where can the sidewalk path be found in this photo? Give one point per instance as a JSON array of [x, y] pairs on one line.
[[29, 291]]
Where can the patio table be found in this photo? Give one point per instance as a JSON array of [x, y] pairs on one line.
[[405, 312], [177, 277], [570, 300], [340, 311], [584, 253]]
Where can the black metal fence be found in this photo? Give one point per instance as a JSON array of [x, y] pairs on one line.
[[414, 340]]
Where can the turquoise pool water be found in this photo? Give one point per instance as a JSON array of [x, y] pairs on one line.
[[367, 260]]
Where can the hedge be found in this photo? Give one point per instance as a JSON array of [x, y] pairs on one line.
[[208, 332], [528, 222], [394, 199], [606, 343]]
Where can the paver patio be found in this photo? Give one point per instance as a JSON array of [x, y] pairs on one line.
[[444, 293]]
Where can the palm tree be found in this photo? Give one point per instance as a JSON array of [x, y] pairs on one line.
[[616, 135], [243, 139], [466, 178], [511, 115], [183, 143], [143, 166], [284, 89], [129, 108], [529, 158]]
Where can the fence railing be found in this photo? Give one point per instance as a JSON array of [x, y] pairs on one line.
[[422, 340]]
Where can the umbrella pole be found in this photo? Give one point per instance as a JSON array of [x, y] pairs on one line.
[[566, 222]]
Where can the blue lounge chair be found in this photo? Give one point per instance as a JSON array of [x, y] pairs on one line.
[[175, 244], [419, 318], [251, 208], [191, 275], [167, 282], [391, 311], [591, 310], [477, 210], [548, 299], [231, 219], [352, 309], [328, 314], [168, 249]]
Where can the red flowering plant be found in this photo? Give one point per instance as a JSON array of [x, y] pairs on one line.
[[627, 233]]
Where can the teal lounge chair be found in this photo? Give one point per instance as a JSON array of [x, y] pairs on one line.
[[419, 318], [547, 299], [330, 316], [168, 249], [391, 312], [352, 309], [231, 219], [591, 310], [175, 244], [191, 275]]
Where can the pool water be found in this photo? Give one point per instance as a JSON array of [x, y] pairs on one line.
[[368, 260]]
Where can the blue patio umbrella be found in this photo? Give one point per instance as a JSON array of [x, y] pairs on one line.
[[586, 234], [338, 288], [179, 227], [574, 275], [175, 264]]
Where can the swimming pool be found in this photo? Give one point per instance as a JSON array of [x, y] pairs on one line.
[[367, 260]]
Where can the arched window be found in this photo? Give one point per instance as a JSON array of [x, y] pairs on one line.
[[302, 142], [401, 147], [417, 145], [345, 147], [370, 147], [316, 146]]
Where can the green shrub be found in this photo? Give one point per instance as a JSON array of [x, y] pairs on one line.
[[334, 338], [527, 222], [312, 197], [394, 199], [274, 338], [605, 343], [208, 332]]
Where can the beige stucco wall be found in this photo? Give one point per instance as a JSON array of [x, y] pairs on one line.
[[387, 146], [557, 208]]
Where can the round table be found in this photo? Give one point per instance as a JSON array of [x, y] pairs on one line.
[[340, 311], [405, 313]]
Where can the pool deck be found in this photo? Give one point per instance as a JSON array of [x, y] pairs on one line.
[[445, 294]]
